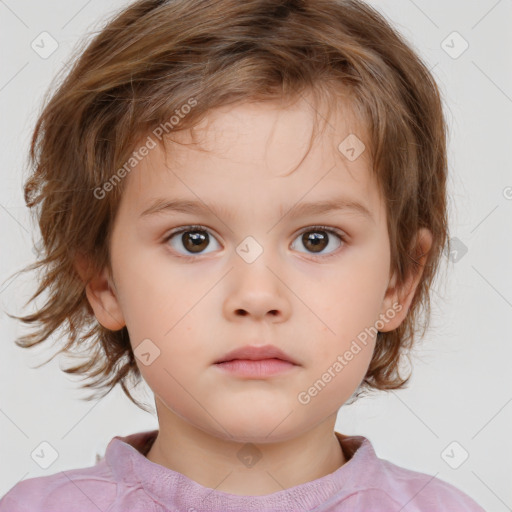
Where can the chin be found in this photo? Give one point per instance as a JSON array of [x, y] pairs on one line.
[[254, 429]]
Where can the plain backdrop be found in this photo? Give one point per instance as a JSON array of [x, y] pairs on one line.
[[455, 418]]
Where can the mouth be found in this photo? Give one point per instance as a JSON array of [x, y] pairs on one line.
[[255, 368], [257, 353], [256, 362]]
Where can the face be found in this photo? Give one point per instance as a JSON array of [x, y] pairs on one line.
[[250, 267]]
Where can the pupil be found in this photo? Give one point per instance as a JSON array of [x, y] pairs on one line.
[[195, 241], [317, 239]]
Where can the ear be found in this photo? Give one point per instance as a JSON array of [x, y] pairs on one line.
[[404, 294], [101, 294]]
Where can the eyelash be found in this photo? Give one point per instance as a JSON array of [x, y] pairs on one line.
[[327, 229]]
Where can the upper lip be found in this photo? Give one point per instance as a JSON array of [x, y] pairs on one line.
[[256, 353]]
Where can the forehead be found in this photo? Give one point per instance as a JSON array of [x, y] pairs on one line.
[[255, 154]]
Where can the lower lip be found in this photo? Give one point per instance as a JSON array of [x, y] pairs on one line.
[[259, 368]]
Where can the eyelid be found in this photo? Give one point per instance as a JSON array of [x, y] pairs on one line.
[[191, 227], [330, 229], [187, 227]]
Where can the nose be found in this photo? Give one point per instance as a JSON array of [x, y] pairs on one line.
[[257, 290]]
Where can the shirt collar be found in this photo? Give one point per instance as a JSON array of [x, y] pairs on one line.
[[126, 458]]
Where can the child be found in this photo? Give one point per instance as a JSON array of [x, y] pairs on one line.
[[295, 150]]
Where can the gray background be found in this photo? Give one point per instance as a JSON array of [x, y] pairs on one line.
[[461, 386]]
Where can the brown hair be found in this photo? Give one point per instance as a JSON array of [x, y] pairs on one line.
[[157, 56]]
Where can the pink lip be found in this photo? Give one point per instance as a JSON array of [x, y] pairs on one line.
[[256, 353], [256, 362], [256, 368]]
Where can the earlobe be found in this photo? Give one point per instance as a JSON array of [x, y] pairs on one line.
[[101, 296], [399, 298]]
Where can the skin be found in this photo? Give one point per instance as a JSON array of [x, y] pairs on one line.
[[194, 311]]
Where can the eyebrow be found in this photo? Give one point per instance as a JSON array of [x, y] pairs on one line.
[[162, 206]]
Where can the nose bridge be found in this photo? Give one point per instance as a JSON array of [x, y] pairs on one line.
[[257, 288]]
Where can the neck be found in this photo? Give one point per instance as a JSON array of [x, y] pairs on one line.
[[246, 468]]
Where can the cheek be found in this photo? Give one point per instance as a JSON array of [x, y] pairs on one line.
[[179, 353], [153, 295], [349, 304], [350, 299]]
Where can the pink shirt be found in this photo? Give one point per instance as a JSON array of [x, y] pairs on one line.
[[124, 480]]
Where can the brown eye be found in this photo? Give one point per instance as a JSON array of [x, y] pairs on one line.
[[316, 240], [193, 239]]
